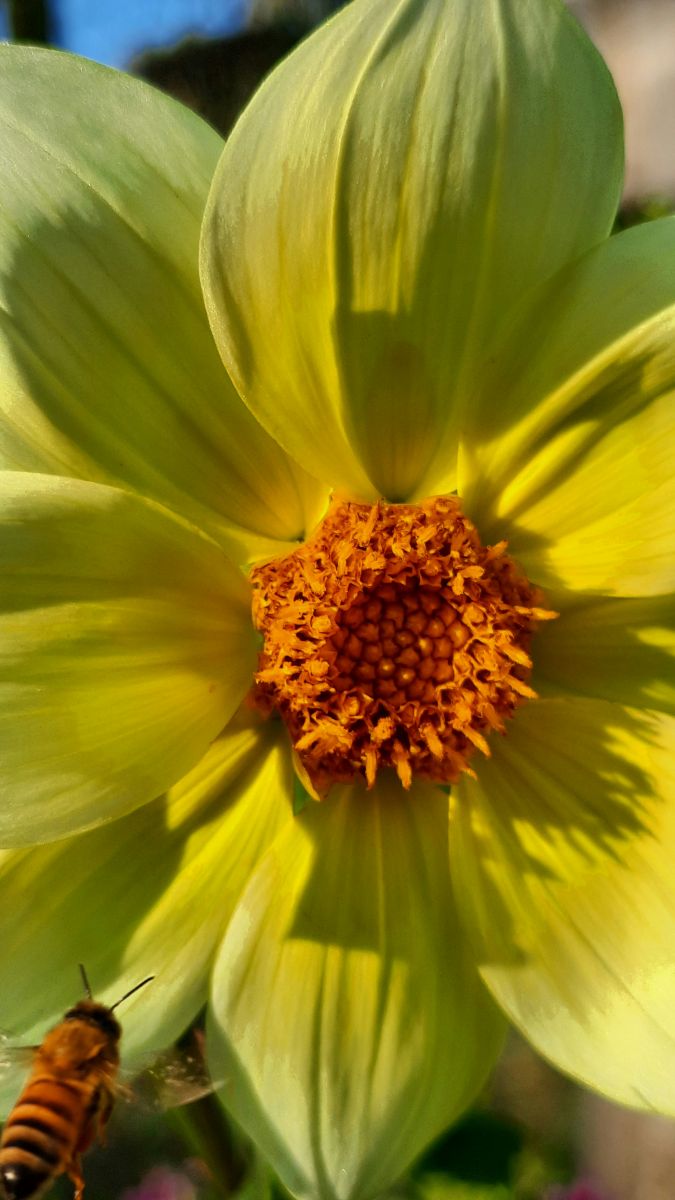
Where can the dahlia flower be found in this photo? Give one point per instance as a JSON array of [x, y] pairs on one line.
[[336, 573]]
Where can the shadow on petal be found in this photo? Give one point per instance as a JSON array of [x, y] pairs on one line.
[[571, 788]]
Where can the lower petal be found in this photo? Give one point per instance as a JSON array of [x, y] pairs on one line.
[[125, 646], [146, 895], [347, 1016], [562, 857]]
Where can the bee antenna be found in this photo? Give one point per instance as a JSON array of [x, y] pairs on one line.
[[134, 989], [85, 981]]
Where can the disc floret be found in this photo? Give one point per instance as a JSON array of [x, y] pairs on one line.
[[393, 638]]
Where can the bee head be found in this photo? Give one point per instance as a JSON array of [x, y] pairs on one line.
[[96, 1014]]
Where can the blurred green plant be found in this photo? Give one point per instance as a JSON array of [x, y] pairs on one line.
[[646, 210], [440, 1187], [29, 20]]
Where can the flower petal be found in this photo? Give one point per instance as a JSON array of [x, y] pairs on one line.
[[148, 894], [108, 367], [394, 187], [612, 649], [125, 646], [347, 1018], [573, 463], [562, 860]]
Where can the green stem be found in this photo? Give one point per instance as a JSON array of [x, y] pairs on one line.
[[208, 1134]]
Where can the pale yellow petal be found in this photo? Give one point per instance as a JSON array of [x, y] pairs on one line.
[[569, 448], [126, 644], [148, 895], [348, 1019], [562, 861], [108, 370], [612, 649], [396, 185]]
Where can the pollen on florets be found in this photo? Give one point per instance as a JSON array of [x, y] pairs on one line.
[[393, 638]]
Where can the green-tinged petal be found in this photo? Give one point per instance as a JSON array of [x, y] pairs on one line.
[[398, 183], [147, 895], [562, 860], [614, 649], [348, 1021], [569, 450], [107, 365], [125, 646]]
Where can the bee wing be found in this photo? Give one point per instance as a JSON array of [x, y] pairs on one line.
[[14, 1058], [178, 1076]]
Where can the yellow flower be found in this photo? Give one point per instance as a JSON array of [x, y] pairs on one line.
[[457, 422]]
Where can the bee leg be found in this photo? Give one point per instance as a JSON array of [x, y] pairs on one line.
[[105, 1108], [75, 1173]]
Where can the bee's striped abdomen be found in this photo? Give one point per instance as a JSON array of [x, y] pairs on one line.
[[40, 1135]]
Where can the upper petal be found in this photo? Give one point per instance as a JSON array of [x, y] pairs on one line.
[[562, 856], [568, 449], [348, 1020], [108, 370], [394, 187], [125, 646], [399, 181]]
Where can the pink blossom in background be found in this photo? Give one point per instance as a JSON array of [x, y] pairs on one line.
[[162, 1183], [577, 1191]]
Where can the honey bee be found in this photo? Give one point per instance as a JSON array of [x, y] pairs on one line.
[[67, 1099]]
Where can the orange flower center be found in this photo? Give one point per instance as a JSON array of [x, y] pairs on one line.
[[393, 638]]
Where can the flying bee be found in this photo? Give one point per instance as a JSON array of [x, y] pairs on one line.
[[67, 1099]]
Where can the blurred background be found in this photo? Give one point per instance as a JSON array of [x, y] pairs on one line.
[[533, 1135], [212, 53]]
